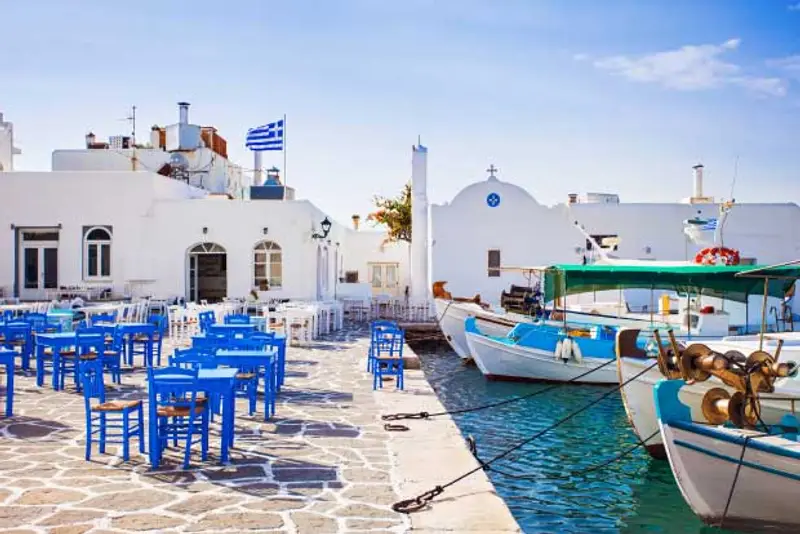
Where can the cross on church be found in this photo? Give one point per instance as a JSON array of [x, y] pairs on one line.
[[491, 170]]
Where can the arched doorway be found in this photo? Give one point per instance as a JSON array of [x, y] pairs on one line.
[[207, 273]]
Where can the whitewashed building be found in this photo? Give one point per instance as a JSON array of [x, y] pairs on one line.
[[176, 218], [493, 223]]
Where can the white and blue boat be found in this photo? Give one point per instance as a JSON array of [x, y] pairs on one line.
[[545, 352], [731, 477]]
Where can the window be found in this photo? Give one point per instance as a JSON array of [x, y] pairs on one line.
[[377, 279], [267, 266], [96, 252], [606, 242], [351, 277], [493, 263]]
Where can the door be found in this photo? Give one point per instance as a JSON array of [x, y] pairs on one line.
[[38, 264], [384, 278]]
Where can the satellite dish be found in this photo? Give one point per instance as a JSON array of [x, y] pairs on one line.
[[178, 161]]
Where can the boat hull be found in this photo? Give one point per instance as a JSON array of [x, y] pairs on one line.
[[705, 461], [503, 361], [451, 322], [637, 397]]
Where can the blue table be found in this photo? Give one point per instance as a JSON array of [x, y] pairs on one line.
[[213, 381], [129, 330], [7, 358], [231, 329], [255, 358], [57, 342], [63, 317]]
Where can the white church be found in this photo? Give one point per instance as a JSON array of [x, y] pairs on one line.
[[175, 218]]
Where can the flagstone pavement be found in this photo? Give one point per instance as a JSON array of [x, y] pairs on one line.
[[322, 464]]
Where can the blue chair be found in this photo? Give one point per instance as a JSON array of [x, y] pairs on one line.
[[237, 319], [104, 317], [192, 358], [41, 323], [209, 343], [206, 319], [174, 410], [108, 415], [88, 346], [375, 328], [142, 343], [8, 315], [18, 336], [161, 324], [113, 353], [387, 357]]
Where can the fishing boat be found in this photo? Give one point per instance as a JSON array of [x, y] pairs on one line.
[[565, 349], [743, 475], [635, 367], [545, 352]]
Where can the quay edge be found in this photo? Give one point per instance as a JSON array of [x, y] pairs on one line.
[[433, 452]]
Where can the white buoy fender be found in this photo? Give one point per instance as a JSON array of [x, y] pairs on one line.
[[576, 352], [566, 348], [557, 352]]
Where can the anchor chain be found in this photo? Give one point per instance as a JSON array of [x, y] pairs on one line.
[[417, 503], [413, 505], [426, 415]]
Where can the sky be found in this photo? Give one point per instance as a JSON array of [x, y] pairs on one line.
[[562, 96]]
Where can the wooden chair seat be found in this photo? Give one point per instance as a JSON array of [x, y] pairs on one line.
[[71, 356], [17, 342], [116, 405], [245, 376], [178, 411], [144, 337]]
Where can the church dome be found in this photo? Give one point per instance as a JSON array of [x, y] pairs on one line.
[[492, 191]]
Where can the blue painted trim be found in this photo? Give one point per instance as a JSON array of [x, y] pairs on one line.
[[470, 325], [669, 409], [732, 460], [713, 432]]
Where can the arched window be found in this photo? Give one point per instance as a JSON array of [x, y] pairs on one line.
[[96, 253], [267, 266]]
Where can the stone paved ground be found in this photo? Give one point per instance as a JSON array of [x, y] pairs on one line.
[[322, 464]]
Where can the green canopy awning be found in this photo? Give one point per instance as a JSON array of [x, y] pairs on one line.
[[734, 282]]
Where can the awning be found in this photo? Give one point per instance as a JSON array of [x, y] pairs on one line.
[[733, 283]]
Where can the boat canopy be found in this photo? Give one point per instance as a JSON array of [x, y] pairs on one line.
[[729, 282]]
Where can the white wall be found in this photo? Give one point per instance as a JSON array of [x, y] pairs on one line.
[[525, 232], [529, 234], [208, 169], [155, 221], [365, 246]]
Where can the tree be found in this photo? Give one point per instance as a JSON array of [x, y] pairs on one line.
[[395, 214]]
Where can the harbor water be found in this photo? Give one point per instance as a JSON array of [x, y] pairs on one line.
[[549, 484]]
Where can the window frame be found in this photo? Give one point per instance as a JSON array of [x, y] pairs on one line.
[[103, 249], [493, 271], [269, 249]]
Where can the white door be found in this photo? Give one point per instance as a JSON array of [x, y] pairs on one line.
[[38, 264], [384, 278]]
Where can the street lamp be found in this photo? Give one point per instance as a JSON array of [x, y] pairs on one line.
[[326, 228]]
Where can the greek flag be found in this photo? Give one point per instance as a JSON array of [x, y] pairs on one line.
[[266, 137], [709, 226]]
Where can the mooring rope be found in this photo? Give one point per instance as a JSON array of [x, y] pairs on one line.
[[733, 484], [641, 443], [425, 415], [415, 504]]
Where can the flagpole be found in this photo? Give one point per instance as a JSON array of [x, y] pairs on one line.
[[284, 149]]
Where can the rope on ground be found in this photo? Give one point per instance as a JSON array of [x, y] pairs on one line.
[[641, 443], [425, 415], [414, 504]]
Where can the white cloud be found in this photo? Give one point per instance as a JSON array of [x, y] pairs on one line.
[[691, 68], [790, 64]]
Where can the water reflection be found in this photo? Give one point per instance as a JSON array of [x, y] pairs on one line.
[[555, 493]]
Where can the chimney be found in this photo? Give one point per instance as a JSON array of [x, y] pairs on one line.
[[90, 139], [698, 180], [572, 198], [183, 112], [356, 220], [155, 136]]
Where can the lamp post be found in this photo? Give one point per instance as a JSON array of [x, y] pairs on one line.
[[326, 228]]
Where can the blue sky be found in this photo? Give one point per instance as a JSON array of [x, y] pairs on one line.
[[562, 96]]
